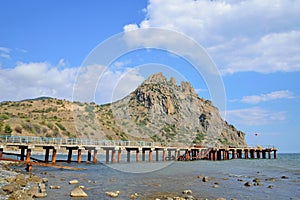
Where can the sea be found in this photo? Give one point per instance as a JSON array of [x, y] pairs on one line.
[[277, 178]]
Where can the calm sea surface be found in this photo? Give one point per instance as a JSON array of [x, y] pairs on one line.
[[148, 179]]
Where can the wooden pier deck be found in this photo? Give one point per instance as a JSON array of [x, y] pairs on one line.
[[114, 149]]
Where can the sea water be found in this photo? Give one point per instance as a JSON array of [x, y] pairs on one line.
[[279, 178]]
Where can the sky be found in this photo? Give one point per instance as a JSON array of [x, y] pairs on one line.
[[46, 48]]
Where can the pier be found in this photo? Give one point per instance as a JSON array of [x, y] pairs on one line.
[[113, 150]]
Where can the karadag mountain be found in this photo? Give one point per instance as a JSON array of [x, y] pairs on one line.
[[158, 110]]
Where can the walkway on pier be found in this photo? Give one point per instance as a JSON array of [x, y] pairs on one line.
[[113, 150]]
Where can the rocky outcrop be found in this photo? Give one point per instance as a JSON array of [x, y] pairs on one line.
[[161, 111]]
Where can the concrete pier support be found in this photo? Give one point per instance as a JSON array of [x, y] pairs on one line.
[[47, 155], [246, 153], [95, 156], [164, 155], [263, 154], [22, 156], [70, 152], [275, 156], [252, 151], [89, 156], [257, 153], [150, 155], [54, 156], [156, 157], [128, 155], [219, 154], [79, 156], [28, 154], [113, 156], [137, 156], [143, 155], [119, 155]]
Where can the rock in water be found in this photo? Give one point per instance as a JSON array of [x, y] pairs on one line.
[[74, 181], [78, 192], [112, 194]]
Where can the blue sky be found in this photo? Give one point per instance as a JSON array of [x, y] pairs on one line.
[[255, 45]]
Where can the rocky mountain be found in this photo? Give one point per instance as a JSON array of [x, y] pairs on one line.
[[158, 110]]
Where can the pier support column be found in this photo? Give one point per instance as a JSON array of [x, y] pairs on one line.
[[219, 154], [79, 156], [70, 149], [246, 152], [176, 155], [187, 155], [269, 154], [164, 155], [1, 152], [107, 155], [257, 153], [47, 155], [156, 155], [28, 154], [233, 154], [95, 156], [137, 156], [264, 154], [252, 154], [22, 157], [143, 155], [275, 154], [169, 154], [128, 155], [89, 157], [69, 156], [119, 155], [113, 156], [150, 155], [54, 156]]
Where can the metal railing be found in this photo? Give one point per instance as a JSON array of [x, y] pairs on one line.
[[70, 141]]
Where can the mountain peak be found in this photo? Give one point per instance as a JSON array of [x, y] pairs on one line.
[[156, 78]]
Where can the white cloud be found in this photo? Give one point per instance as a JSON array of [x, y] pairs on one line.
[[271, 53], [253, 35], [29, 80], [4, 52], [254, 116], [281, 94], [103, 85]]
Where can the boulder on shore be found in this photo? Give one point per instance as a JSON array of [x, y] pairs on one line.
[[19, 195]]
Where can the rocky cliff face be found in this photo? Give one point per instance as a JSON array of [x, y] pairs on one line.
[[173, 114]]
